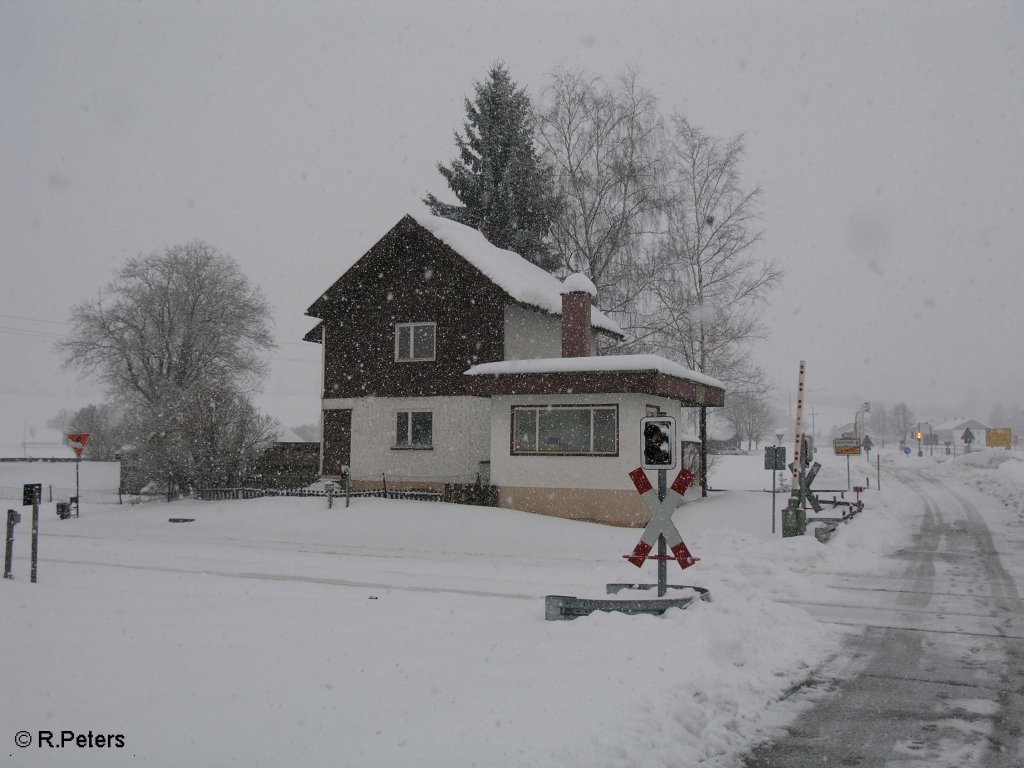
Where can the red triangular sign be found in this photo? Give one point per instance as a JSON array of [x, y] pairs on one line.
[[78, 442]]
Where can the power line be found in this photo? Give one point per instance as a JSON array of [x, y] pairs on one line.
[[35, 334], [36, 320]]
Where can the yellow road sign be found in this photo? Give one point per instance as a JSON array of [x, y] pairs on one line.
[[999, 438]]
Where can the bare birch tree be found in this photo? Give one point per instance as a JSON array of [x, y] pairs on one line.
[[706, 305], [603, 142]]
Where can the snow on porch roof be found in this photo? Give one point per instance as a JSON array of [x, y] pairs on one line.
[[523, 281], [592, 374], [600, 363]]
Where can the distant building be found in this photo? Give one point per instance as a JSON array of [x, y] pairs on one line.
[[39, 444], [953, 431], [288, 462]]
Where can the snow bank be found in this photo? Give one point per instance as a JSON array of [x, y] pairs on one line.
[[276, 631]]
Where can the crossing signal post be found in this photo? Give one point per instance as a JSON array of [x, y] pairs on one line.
[[658, 451]]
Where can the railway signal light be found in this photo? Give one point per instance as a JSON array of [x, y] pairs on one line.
[[658, 442]]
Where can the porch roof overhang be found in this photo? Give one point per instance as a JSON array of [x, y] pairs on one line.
[[611, 374]]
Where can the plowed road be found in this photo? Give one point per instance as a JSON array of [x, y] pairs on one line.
[[934, 669]]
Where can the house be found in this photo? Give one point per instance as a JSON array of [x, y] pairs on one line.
[[952, 431], [447, 360], [39, 444]]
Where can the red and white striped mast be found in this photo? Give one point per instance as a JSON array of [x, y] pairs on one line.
[[799, 429]]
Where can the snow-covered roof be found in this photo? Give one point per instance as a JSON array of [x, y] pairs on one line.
[[523, 281], [602, 363], [960, 424], [287, 435], [37, 450]]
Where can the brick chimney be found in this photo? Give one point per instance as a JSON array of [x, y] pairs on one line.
[[577, 335]]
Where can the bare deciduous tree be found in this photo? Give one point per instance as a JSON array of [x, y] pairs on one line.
[[903, 420], [603, 143], [881, 419], [178, 338], [171, 320], [706, 305], [751, 417]]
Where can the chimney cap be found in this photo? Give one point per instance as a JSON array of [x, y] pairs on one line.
[[578, 283]]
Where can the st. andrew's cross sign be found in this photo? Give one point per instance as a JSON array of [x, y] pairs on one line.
[[661, 518]]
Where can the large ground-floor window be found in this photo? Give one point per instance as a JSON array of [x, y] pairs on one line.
[[565, 430]]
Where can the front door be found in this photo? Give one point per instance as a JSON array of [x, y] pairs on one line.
[[337, 442]]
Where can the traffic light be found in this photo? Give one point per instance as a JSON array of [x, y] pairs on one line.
[[919, 435], [658, 442]]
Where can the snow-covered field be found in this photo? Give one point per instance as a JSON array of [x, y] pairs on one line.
[[279, 632]]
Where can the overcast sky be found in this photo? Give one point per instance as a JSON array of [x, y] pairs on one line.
[[888, 139]]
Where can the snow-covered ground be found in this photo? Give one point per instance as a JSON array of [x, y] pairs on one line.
[[279, 632]]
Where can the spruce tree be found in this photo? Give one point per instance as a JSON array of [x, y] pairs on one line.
[[505, 189]]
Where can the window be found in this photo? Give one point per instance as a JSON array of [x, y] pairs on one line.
[[565, 430], [414, 429], [414, 341]]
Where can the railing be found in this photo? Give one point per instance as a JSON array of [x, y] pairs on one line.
[[53, 493], [231, 494]]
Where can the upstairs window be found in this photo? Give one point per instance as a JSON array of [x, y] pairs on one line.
[[414, 429], [558, 430], [415, 341]]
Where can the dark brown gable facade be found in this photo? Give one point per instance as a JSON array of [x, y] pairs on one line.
[[408, 277]]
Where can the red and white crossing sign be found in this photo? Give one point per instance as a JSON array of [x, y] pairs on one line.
[[661, 518], [78, 441]]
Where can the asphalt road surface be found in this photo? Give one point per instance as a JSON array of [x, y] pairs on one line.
[[933, 673]]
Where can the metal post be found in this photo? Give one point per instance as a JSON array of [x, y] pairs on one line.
[[662, 544], [878, 470], [78, 492], [848, 472], [774, 485], [12, 517], [35, 535]]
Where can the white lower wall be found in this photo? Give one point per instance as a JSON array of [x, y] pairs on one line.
[[597, 472], [461, 438]]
